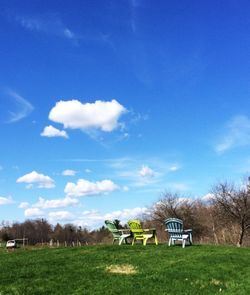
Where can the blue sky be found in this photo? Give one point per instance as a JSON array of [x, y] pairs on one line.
[[107, 104]]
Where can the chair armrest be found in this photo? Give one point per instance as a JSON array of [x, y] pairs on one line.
[[126, 230], [149, 230], [188, 230]]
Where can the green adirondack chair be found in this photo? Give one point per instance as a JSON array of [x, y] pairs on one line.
[[174, 227], [118, 234], [141, 234]]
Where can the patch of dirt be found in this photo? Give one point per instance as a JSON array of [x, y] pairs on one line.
[[126, 269]]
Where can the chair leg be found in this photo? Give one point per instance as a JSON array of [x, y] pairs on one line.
[[183, 243], [169, 242], [156, 240], [133, 241], [120, 241], [144, 242], [190, 239]]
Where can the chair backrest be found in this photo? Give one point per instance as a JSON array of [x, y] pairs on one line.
[[135, 227], [112, 228], [174, 227]]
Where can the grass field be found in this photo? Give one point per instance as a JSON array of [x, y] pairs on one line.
[[126, 270]]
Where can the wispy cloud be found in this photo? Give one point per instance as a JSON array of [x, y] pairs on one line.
[[140, 173], [47, 24], [236, 134], [22, 106], [57, 203], [69, 172], [6, 200], [24, 205], [174, 167], [134, 4]]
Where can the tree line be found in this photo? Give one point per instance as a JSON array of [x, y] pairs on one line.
[[41, 232], [224, 218]]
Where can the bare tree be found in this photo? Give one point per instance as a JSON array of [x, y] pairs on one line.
[[233, 205], [167, 206], [194, 213]]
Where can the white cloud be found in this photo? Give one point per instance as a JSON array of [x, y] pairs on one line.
[[23, 107], [125, 188], [57, 203], [1, 167], [87, 170], [33, 212], [174, 168], [146, 172], [50, 131], [69, 172], [24, 205], [73, 114], [6, 201], [41, 180], [237, 134], [60, 215], [126, 214], [94, 218], [85, 188], [208, 197]]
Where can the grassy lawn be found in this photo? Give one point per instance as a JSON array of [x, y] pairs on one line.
[[126, 270]]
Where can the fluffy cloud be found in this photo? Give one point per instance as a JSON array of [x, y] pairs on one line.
[[126, 214], [57, 203], [94, 218], [146, 172], [23, 205], [6, 201], [237, 133], [69, 172], [60, 215], [85, 188], [41, 180], [33, 212], [73, 114], [208, 197], [50, 131]]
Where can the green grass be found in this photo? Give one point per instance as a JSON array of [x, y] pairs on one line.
[[157, 270]]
